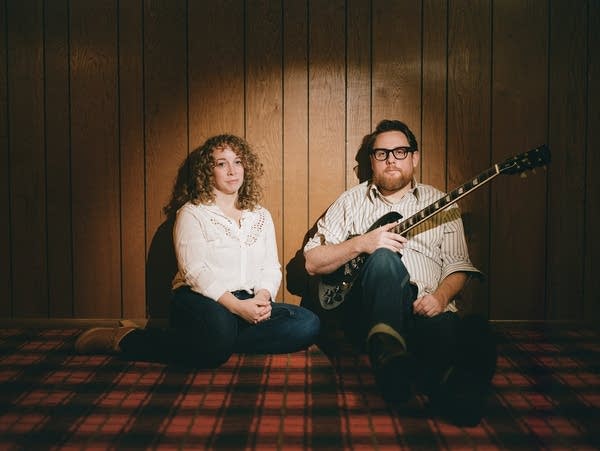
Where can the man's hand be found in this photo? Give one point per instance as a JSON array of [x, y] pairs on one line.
[[428, 305], [381, 237], [436, 302]]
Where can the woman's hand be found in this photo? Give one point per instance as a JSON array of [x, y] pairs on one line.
[[254, 310]]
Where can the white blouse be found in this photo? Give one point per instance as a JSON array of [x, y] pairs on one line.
[[216, 255]]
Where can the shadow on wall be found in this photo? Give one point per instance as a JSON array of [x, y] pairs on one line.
[[161, 267], [298, 281]]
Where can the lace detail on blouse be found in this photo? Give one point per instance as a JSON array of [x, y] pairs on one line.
[[256, 228], [252, 225]]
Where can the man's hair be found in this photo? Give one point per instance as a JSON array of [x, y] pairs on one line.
[[195, 177], [388, 125], [363, 169]]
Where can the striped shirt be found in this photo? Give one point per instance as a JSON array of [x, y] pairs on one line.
[[435, 249]]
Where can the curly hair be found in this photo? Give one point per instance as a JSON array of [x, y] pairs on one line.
[[194, 181], [363, 169]]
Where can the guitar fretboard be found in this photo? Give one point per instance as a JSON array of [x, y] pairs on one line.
[[446, 200]]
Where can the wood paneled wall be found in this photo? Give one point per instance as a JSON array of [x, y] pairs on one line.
[[101, 101]]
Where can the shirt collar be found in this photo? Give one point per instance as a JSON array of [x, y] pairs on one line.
[[373, 192], [216, 210]]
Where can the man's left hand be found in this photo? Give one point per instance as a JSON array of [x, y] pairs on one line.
[[428, 305]]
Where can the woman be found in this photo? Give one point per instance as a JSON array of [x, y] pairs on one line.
[[228, 271]]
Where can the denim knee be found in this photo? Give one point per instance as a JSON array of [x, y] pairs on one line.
[[308, 325], [384, 265], [213, 346], [290, 329]]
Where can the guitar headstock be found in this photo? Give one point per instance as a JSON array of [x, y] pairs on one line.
[[534, 158]]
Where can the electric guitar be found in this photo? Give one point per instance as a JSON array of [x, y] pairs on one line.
[[334, 287]]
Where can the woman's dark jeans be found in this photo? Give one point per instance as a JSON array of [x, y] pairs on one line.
[[205, 334]]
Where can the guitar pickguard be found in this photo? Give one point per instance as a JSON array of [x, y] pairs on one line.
[[334, 287]]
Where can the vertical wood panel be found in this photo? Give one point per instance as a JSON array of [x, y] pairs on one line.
[[397, 62], [95, 120], [567, 135], [166, 131], [358, 92], [95, 159], [5, 220], [435, 67], [591, 287], [520, 116], [264, 102], [326, 115], [58, 159], [27, 158], [469, 128], [295, 147], [216, 69], [131, 144]]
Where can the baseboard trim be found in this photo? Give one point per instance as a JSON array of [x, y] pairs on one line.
[[82, 323], [77, 323]]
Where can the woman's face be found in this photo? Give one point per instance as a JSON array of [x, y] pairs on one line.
[[228, 172]]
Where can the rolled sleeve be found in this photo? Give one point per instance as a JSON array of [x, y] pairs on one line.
[[454, 251]]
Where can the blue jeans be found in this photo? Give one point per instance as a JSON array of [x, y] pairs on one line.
[[383, 293], [203, 333]]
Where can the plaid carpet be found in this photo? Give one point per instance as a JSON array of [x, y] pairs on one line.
[[546, 396]]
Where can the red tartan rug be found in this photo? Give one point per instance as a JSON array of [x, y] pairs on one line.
[[546, 396]]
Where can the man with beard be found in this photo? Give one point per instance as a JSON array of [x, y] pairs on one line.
[[401, 303]]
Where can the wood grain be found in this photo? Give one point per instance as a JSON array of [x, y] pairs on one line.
[[166, 137], [519, 205], [295, 148], [101, 102], [6, 301], [591, 288], [326, 103], [131, 146], [566, 183], [58, 159], [95, 160], [469, 129], [27, 158]]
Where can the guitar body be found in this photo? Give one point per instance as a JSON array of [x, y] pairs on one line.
[[334, 287]]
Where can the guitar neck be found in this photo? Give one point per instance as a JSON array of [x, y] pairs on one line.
[[447, 200]]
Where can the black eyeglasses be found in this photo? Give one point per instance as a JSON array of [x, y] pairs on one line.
[[399, 153]]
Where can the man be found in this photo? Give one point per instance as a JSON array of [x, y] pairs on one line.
[[401, 302]]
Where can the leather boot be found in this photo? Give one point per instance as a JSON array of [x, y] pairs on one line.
[[101, 340]]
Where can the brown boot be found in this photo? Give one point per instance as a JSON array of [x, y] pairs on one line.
[[101, 340]]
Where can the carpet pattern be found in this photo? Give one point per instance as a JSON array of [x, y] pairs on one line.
[[546, 395]]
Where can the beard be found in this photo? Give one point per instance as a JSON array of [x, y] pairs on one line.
[[391, 182]]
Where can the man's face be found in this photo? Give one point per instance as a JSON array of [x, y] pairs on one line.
[[393, 175]]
